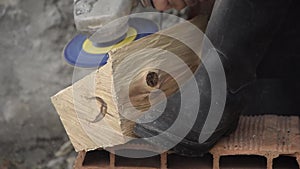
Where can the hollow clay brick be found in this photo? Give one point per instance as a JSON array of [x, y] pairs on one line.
[[268, 136]]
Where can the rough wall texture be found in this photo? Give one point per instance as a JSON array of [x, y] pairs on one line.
[[33, 34]]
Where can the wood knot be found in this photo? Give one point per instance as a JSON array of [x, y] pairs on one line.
[[152, 79]]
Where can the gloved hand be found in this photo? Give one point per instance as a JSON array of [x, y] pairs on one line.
[[162, 5]]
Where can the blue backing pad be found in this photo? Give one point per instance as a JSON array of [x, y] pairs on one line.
[[76, 56]]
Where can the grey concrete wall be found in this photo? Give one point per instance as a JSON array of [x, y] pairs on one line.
[[32, 36]]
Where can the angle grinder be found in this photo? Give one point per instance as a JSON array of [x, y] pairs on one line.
[[105, 25]]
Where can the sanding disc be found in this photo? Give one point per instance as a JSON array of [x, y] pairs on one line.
[[81, 52]]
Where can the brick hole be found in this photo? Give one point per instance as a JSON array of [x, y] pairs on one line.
[[285, 162], [136, 162], [97, 158], [243, 161], [181, 162]]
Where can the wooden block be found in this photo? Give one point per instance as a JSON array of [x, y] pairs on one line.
[[93, 110]]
